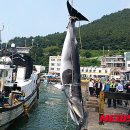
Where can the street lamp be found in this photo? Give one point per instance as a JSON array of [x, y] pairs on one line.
[[13, 50], [0, 36], [12, 45]]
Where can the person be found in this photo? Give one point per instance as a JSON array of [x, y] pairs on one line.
[[98, 87], [5, 97], [127, 87], [112, 89], [106, 86], [119, 88], [1, 99], [91, 85]]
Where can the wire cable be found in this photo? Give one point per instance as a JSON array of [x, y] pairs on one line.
[[80, 39], [67, 119]]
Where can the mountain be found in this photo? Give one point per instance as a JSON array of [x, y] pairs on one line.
[[111, 31]]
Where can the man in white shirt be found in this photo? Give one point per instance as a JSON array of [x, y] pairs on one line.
[[91, 86], [119, 88]]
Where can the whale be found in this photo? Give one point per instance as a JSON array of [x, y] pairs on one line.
[[70, 68]]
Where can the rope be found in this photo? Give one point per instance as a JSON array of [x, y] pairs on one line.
[[67, 119], [80, 40]]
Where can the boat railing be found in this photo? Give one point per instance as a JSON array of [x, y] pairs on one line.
[[8, 100]]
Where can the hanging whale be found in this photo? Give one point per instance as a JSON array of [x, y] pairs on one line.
[[70, 68]]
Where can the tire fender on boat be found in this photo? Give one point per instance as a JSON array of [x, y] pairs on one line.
[[25, 106]]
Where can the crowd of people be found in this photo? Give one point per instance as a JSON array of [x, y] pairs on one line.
[[96, 86]]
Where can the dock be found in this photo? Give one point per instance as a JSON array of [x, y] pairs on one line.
[[91, 108]]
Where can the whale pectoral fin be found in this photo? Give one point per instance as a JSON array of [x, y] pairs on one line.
[[67, 76], [74, 13]]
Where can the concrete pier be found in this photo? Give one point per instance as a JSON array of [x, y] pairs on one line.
[[91, 107]]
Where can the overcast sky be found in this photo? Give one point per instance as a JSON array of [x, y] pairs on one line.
[[42, 17]]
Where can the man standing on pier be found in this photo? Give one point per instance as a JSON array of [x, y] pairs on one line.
[[98, 87], [91, 87], [112, 89]]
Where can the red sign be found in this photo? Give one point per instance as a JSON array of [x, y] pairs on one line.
[[117, 118]]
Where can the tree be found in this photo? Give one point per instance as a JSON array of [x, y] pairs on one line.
[[87, 54]]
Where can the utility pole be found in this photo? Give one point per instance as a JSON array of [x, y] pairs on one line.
[[103, 51], [0, 36], [32, 42], [25, 43]]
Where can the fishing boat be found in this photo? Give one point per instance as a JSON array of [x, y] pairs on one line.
[[49, 78], [19, 86]]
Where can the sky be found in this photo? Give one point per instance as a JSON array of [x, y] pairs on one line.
[[25, 18]]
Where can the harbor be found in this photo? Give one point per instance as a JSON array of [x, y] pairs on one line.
[[77, 78], [53, 102]]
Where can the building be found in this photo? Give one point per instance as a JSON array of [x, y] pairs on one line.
[[39, 68], [23, 49], [95, 72], [54, 65], [127, 61], [116, 61], [111, 66], [55, 62]]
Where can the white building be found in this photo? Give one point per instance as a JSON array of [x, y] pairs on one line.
[[39, 68], [54, 64], [116, 63], [113, 61], [23, 49], [127, 61], [95, 72]]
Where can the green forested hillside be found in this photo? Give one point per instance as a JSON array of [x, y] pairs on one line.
[[111, 31]]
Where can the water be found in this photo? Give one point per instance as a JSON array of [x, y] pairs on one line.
[[50, 113]]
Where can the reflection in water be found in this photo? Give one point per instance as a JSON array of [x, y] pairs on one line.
[[49, 113]]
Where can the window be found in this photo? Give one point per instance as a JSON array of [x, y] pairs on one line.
[[52, 68], [90, 70], [86, 70], [52, 59], [58, 59], [58, 64], [105, 71], [3, 73], [128, 65], [94, 70], [52, 64], [58, 69], [99, 71]]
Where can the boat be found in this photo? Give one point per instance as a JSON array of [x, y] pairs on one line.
[[49, 78], [19, 88]]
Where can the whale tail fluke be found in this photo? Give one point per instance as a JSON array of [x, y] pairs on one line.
[[74, 13]]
